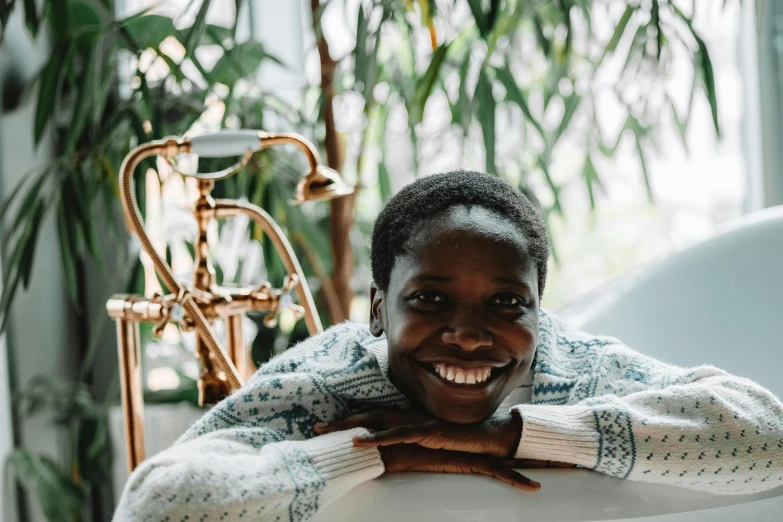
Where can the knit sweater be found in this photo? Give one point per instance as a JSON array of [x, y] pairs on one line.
[[595, 402]]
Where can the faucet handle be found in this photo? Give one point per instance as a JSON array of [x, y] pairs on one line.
[[283, 300]]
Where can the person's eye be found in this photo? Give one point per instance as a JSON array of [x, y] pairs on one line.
[[428, 297], [507, 300]]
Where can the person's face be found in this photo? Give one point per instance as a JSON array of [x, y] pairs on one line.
[[460, 314]]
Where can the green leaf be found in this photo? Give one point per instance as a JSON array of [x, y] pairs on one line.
[[571, 105], [28, 253], [486, 117], [425, 84], [702, 59], [655, 21], [18, 190], [238, 62], [360, 50], [482, 21], [217, 34], [682, 125], [67, 254], [366, 56], [28, 203], [48, 87], [150, 30], [213, 35], [94, 341], [556, 205], [58, 20], [637, 48], [135, 283], [708, 77], [5, 13], [197, 29], [591, 179], [85, 97], [543, 42], [104, 82], [619, 29], [492, 14], [79, 203], [514, 93], [31, 17], [94, 457], [87, 24], [463, 113], [643, 162], [633, 125], [383, 181]]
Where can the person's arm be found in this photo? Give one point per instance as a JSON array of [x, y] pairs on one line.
[[252, 455], [697, 428], [247, 474]]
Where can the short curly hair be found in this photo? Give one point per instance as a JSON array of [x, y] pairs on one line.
[[429, 196]]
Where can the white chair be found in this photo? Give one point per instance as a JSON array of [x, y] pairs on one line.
[[719, 302]]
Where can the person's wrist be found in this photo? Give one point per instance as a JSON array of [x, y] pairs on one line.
[[386, 452], [512, 432]]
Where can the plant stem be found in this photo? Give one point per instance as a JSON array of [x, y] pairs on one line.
[[341, 219]]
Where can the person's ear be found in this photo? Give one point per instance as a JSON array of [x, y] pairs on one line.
[[377, 297]]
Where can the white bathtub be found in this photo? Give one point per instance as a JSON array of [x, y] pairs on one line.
[[719, 302]]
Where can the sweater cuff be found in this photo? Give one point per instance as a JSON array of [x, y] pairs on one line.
[[558, 433], [342, 465]]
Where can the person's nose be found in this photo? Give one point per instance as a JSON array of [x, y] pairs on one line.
[[467, 330]]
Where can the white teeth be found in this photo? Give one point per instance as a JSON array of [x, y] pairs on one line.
[[462, 375]]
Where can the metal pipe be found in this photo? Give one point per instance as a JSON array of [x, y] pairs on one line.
[[226, 208], [235, 342], [130, 385]]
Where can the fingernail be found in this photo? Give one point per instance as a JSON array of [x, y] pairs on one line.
[[321, 424]]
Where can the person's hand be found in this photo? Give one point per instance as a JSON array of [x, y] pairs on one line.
[[399, 458], [498, 436]]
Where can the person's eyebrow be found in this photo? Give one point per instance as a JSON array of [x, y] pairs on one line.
[[511, 281], [427, 278]]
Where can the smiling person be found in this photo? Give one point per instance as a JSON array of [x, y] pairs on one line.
[[459, 371]]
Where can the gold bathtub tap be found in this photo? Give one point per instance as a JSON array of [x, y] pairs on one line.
[[198, 305]]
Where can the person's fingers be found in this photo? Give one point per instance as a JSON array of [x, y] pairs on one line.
[[533, 463], [397, 435], [402, 458], [509, 476], [434, 435]]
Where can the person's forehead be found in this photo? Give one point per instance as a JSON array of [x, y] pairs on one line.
[[475, 243], [472, 222]]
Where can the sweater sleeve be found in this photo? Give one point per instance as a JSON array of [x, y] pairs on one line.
[[255, 456], [637, 418], [225, 475]]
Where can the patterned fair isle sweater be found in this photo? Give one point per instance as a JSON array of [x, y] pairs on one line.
[[594, 402]]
